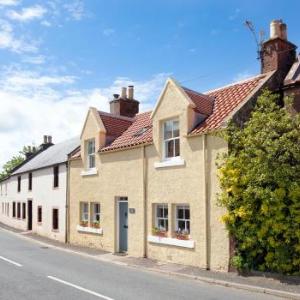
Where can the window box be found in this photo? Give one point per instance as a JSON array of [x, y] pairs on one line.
[[181, 236], [158, 232], [96, 224], [171, 242], [84, 224], [89, 230]]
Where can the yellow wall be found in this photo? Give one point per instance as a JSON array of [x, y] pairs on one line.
[[123, 173]]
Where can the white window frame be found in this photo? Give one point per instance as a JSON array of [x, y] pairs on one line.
[[91, 155], [166, 140], [184, 219], [164, 217], [94, 214], [84, 215]]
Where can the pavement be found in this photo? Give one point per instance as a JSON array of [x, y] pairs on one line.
[[65, 268]]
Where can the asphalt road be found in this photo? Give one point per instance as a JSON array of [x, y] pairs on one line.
[[30, 271]]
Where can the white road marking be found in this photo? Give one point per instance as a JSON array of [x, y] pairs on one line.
[[10, 261], [80, 288]]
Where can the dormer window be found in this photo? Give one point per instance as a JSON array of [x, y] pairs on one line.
[[91, 163], [171, 143]]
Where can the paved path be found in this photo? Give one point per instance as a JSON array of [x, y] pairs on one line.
[[31, 271]]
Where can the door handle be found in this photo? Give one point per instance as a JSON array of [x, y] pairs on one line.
[[125, 226]]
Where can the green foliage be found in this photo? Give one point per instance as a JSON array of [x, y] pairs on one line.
[[15, 161], [260, 180]]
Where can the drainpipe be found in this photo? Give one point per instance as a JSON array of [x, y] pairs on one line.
[[145, 199], [206, 204], [67, 203]]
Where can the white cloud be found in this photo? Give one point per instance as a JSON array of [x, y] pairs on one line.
[[108, 31], [32, 106], [9, 2], [27, 13], [75, 9], [9, 41]]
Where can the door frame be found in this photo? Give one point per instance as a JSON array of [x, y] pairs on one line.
[[118, 201], [30, 214]]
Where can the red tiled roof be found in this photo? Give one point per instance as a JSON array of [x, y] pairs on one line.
[[115, 125], [226, 100], [216, 104], [140, 132], [204, 104]]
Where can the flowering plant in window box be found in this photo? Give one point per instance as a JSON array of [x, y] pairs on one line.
[[84, 223], [162, 232], [96, 224], [182, 235]]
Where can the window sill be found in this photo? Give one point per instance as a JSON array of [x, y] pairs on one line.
[[176, 161], [171, 241], [89, 172], [89, 230]]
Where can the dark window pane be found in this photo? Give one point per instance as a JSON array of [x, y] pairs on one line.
[[170, 148], [160, 212], [166, 224], [187, 214], [166, 212], [177, 147], [181, 225], [188, 225], [180, 213]]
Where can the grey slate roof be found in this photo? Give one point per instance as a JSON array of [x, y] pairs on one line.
[[55, 154]]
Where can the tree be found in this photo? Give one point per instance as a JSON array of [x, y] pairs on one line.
[[260, 181], [16, 160]]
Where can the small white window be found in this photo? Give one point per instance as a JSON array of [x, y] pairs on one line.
[[171, 139], [161, 217], [183, 219], [84, 213], [91, 154]]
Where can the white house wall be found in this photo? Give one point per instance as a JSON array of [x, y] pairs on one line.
[[43, 194]]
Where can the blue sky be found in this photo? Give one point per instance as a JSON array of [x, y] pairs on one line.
[[59, 57]]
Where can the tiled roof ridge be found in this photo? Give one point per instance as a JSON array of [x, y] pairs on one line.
[[198, 93], [115, 116], [235, 83]]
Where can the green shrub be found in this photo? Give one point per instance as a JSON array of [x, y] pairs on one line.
[[260, 181]]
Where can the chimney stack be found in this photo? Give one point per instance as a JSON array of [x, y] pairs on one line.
[[47, 142], [277, 53], [124, 105]]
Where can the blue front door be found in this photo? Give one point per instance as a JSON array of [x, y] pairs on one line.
[[123, 226]]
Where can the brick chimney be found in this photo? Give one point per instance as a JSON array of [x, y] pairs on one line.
[[124, 105], [47, 142], [277, 53]]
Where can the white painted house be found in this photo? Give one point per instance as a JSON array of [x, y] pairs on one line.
[[34, 197]]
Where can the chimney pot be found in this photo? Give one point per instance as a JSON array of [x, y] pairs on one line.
[[116, 96], [124, 93], [49, 139], [45, 139], [278, 29], [131, 92]]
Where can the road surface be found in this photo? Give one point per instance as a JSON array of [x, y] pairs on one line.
[[31, 271]]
